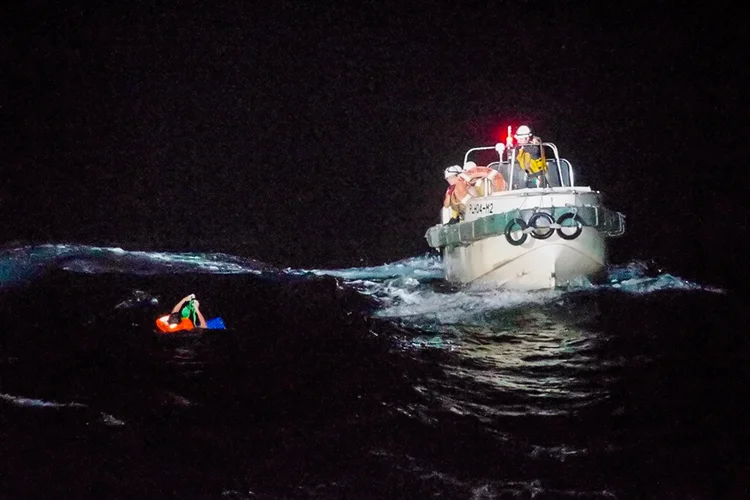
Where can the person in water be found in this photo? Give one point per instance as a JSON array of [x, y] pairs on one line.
[[185, 315]]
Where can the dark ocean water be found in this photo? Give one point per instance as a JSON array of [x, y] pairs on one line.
[[367, 383]]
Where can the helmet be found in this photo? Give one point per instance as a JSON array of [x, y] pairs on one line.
[[523, 131], [469, 165], [452, 170]]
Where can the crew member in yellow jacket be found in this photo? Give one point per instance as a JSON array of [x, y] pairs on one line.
[[530, 157]]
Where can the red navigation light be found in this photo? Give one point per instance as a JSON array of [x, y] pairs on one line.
[[509, 138], [500, 134]]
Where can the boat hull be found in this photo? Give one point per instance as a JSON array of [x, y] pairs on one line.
[[535, 264], [482, 250]]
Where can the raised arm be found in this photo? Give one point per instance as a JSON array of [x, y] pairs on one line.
[[201, 319], [182, 301]]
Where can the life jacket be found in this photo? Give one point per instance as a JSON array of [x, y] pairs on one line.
[[450, 210], [174, 323], [462, 192], [530, 158]]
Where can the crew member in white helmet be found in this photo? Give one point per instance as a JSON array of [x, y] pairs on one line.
[[449, 204]]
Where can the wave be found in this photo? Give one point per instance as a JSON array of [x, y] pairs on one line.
[[22, 264], [36, 403], [23, 402], [411, 289]]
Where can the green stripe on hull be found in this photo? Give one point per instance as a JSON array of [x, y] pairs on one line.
[[603, 219]]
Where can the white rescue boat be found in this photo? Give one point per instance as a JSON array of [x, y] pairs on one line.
[[526, 238]]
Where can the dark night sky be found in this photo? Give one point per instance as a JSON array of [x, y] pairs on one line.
[[310, 136]]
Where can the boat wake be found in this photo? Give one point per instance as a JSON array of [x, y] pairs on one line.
[[413, 289]]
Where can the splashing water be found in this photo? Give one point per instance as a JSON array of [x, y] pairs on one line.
[[412, 290]]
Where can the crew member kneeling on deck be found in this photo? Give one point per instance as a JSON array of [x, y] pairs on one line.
[[449, 202], [530, 157]]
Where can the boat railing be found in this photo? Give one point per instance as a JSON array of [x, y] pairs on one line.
[[561, 163], [571, 176], [557, 159], [483, 148], [563, 175]]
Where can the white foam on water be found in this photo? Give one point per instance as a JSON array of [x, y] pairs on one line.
[[21, 401], [22, 264], [404, 289], [420, 268], [24, 402]]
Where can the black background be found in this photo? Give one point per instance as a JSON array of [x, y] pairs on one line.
[[309, 136]]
